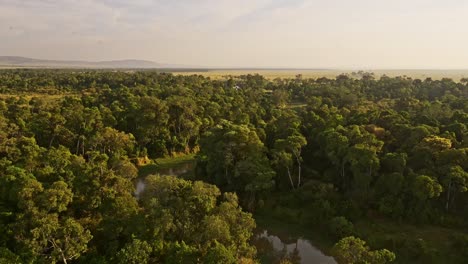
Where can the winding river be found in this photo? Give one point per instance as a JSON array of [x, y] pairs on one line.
[[271, 247]]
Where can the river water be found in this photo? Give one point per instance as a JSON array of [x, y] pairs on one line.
[[271, 247]]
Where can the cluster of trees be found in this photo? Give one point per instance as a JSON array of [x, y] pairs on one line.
[[67, 170], [340, 149], [350, 250], [58, 207]]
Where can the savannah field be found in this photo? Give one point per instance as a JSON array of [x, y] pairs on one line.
[[271, 74]]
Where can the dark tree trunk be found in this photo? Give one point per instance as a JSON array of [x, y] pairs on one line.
[[447, 202]]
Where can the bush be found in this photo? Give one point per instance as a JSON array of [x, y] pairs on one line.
[[340, 227], [460, 244], [416, 248], [353, 250]]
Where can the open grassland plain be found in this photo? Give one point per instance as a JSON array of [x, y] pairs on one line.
[[271, 74]]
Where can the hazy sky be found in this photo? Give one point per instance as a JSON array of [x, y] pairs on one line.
[[253, 33]]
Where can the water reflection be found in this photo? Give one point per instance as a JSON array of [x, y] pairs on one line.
[[272, 249], [140, 186]]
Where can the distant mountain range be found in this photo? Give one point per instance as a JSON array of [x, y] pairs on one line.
[[23, 62]]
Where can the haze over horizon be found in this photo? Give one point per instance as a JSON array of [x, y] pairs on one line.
[[415, 34]]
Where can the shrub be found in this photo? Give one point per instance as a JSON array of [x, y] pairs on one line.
[[340, 227]]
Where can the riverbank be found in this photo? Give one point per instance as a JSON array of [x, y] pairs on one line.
[[411, 243], [290, 221], [282, 228], [296, 242], [160, 165]]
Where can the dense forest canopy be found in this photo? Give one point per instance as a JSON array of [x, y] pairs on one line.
[[333, 151]]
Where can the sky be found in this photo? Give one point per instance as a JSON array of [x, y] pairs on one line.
[[357, 34]]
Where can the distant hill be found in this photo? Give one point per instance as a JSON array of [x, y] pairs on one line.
[[16, 61]]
